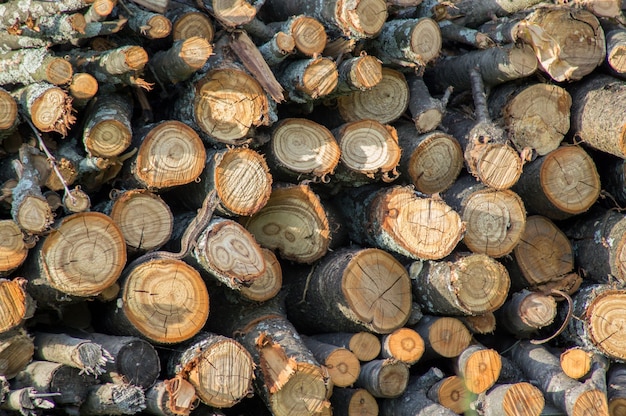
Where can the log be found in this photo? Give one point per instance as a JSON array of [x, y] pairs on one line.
[[365, 345], [17, 306], [418, 227], [513, 399], [154, 306], [479, 367], [277, 49], [384, 379], [229, 14], [468, 13], [16, 351], [113, 399], [307, 32], [147, 23], [470, 284], [615, 43], [107, 131], [351, 290], [615, 392], [443, 336], [426, 111], [561, 184], [170, 398], [358, 73], [27, 66], [353, 401], [343, 365], [432, 161], [218, 367], [404, 344], [26, 401], [48, 107], [455, 33], [50, 30], [480, 324], [494, 219], [450, 392], [309, 79], [293, 222], [181, 61], [526, 312], [188, 22], [576, 362], [266, 286]]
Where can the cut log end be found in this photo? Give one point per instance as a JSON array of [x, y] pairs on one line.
[[404, 345], [233, 13], [602, 315], [451, 393], [480, 368], [108, 138], [448, 337], [591, 402], [13, 250], [83, 87], [195, 51], [193, 24], [59, 71], [319, 78], [304, 393], [268, 284], [343, 367], [135, 58], [8, 110], [384, 378], [425, 40], [309, 35], [51, 111], [367, 73], [363, 19], [16, 352], [482, 283], [14, 304], [158, 27], [499, 167], [365, 345], [520, 399]]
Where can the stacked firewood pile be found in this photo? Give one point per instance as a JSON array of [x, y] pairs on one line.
[[401, 207]]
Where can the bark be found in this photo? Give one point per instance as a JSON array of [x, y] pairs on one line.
[[353, 401], [107, 131], [113, 399], [219, 368], [50, 30], [471, 284], [432, 161], [16, 351], [404, 344], [561, 184], [154, 306], [181, 61], [343, 365], [277, 49], [146, 23], [188, 22], [455, 33], [451, 393], [49, 107], [512, 399], [494, 219], [527, 312], [99, 10], [616, 395], [365, 345], [426, 111], [34, 9], [471, 14], [351, 290], [309, 79], [443, 336], [158, 6], [57, 272], [479, 367], [418, 227], [384, 379]]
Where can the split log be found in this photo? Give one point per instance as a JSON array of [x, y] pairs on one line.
[[113, 399], [398, 220], [169, 154], [384, 102], [365, 345], [153, 305], [616, 395], [266, 286], [443, 336], [181, 61], [351, 290], [126, 353], [87, 356], [359, 20], [432, 161], [16, 305], [543, 259], [450, 392], [369, 152], [407, 42], [188, 22], [107, 131], [568, 395], [309, 79], [16, 351], [520, 399], [479, 367], [46, 377], [219, 368], [576, 362], [353, 401], [384, 379], [426, 111], [526, 312], [404, 344], [599, 241], [147, 23], [27, 66], [561, 184], [302, 149], [535, 115], [26, 401], [471, 284], [343, 365], [494, 219], [597, 115], [61, 272], [293, 222], [48, 107]]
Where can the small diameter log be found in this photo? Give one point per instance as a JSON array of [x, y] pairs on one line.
[[398, 220], [181, 61], [597, 113], [353, 401], [16, 305], [479, 367], [8, 114], [576, 362], [58, 271], [26, 401], [115, 66], [307, 32], [343, 366], [219, 368], [526, 312], [358, 20], [455, 33], [170, 398], [595, 326], [87, 356], [471, 284], [49, 30], [384, 379], [224, 104], [359, 73], [126, 353], [16, 351], [351, 289], [404, 344], [497, 66], [113, 399], [480, 324], [266, 286], [543, 259], [169, 154], [301, 148], [107, 131], [432, 161], [426, 111], [471, 14], [365, 345], [161, 299], [384, 102], [147, 23], [27, 66], [277, 49], [369, 152], [568, 395], [616, 395], [561, 184], [309, 79], [11, 12], [615, 48], [83, 87], [231, 14], [241, 178], [69, 383], [535, 115], [569, 42], [145, 220], [407, 42], [519, 399], [293, 222], [494, 219], [188, 22], [451, 393], [48, 107]]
